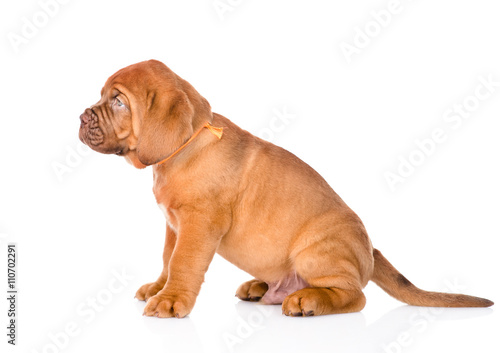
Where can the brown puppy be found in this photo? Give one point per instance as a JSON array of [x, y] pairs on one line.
[[254, 203]]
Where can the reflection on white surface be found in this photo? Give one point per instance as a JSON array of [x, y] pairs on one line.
[[251, 327]]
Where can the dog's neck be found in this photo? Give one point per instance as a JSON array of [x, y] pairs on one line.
[[216, 131]]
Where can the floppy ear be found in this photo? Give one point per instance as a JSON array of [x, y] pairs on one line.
[[166, 125]]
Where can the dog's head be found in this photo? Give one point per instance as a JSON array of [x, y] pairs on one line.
[[145, 113]]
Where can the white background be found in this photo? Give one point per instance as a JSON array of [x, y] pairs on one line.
[[352, 122]]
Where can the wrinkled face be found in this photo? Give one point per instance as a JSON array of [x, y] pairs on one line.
[[106, 127], [111, 125]]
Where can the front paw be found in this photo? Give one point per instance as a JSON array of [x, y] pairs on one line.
[[169, 305], [148, 290]]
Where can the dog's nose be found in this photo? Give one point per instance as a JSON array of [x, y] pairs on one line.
[[84, 118]]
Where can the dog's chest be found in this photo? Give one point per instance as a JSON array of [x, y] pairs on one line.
[[158, 182], [168, 217], [163, 209]]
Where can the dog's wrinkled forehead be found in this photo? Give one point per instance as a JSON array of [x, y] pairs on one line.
[[141, 77]]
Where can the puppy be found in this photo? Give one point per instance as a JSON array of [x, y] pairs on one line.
[[224, 190]]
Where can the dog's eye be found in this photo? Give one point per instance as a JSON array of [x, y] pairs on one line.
[[119, 102]]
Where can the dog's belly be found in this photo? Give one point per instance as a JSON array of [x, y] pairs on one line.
[[278, 291], [254, 254], [265, 258]]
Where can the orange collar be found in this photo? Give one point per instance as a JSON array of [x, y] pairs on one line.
[[217, 131]]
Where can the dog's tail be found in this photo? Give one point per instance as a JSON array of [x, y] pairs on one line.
[[396, 285]]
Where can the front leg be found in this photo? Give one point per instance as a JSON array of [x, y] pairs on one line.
[[150, 289], [193, 252]]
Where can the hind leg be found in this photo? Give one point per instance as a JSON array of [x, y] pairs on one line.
[[323, 301], [336, 269]]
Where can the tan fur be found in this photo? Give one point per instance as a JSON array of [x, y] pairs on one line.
[[254, 203]]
